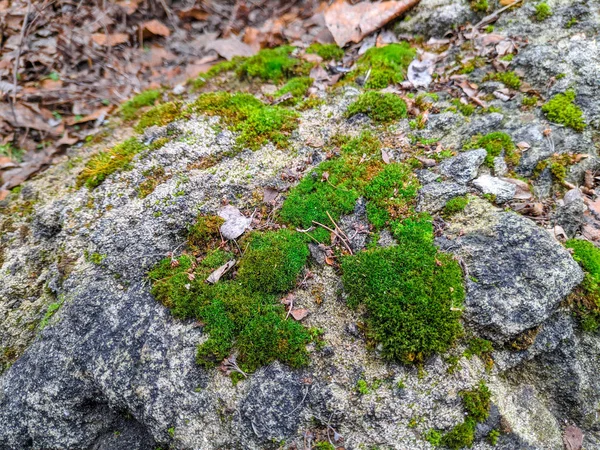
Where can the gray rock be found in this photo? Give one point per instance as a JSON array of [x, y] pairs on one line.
[[500, 167], [502, 190], [433, 196], [464, 166], [517, 273], [426, 176], [435, 17], [356, 226], [570, 216]]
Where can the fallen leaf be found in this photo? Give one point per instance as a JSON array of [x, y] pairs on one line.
[[193, 13], [385, 156], [523, 146], [110, 40], [100, 112], [350, 23], [218, 273], [130, 6], [230, 47], [235, 222], [573, 438], [270, 195], [299, 314], [156, 28], [3, 194], [24, 117], [329, 260]]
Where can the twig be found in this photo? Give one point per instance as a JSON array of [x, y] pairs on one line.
[[337, 227], [17, 59], [336, 233], [299, 404], [495, 15]]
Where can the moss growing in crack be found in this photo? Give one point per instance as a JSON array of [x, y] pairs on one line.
[[480, 5], [558, 165], [380, 107], [273, 65], [52, 309], [496, 144], [587, 296], [391, 194], [296, 87], [160, 115], [387, 64], [562, 109], [509, 79], [411, 291], [256, 122], [240, 314], [154, 177], [108, 162], [529, 101], [335, 185], [542, 11], [466, 109], [455, 205], [130, 108], [326, 51]]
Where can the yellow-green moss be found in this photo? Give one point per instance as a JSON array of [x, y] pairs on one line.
[[130, 108], [411, 292], [387, 64], [587, 296], [217, 69], [108, 162], [326, 51], [542, 11], [455, 205], [466, 109], [154, 177], [160, 115], [562, 109], [529, 101], [256, 122], [496, 144], [379, 107], [296, 87], [273, 65], [480, 5], [509, 79]]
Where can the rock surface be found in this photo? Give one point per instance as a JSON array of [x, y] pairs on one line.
[[463, 167], [500, 189]]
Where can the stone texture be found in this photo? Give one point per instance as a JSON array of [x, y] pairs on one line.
[[433, 196], [500, 189], [463, 167]]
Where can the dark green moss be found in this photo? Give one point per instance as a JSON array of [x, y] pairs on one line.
[[273, 65], [160, 115], [108, 162], [587, 296], [380, 107], [455, 205], [562, 109], [411, 292], [326, 51], [256, 122], [387, 64], [130, 108], [496, 144]]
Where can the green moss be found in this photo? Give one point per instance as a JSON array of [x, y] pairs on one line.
[[379, 107], [296, 87], [542, 11], [510, 79], [478, 346], [154, 177], [108, 162], [326, 51], [204, 233], [160, 115], [12, 152], [465, 109], [496, 144], [529, 101], [273, 261], [508, 57], [216, 70], [52, 308], [323, 445], [273, 65], [587, 296], [362, 387], [472, 64], [562, 109], [434, 437], [493, 436], [130, 108], [390, 194], [256, 122], [480, 5], [310, 103], [455, 205], [411, 292], [572, 21], [387, 64]]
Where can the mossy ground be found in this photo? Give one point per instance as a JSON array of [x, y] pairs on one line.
[[387, 65], [130, 108], [273, 65], [587, 297], [562, 109], [379, 107], [296, 87], [510, 79], [496, 144], [455, 205], [326, 51], [160, 115]]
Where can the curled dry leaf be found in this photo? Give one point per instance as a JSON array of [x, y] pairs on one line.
[[235, 222], [523, 146], [156, 28], [110, 40], [217, 274], [230, 47], [299, 314], [385, 156], [350, 23]]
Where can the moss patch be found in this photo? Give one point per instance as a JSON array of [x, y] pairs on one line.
[[273, 65], [240, 314], [160, 115], [108, 162], [256, 122], [562, 109], [509, 79], [480, 5], [216, 70], [455, 205], [130, 108], [296, 87], [411, 292], [387, 64], [542, 11], [496, 144], [379, 107], [326, 51], [587, 296]]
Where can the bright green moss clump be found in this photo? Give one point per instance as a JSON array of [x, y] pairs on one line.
[[256, 122], [496, 144], [326, 51], [241, 314], [510, 79], [455, 205], [411, 291], [587, 297], [217, 69], [562, 109], [108, 162], [480, 5], [130, 108], [542, 11], [273, 65], [388, 64], [160, 115], [296, 87], [380, 107]]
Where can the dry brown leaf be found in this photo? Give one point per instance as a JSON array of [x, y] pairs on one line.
[[270, 195], [507, 2], [385, 156], [49, 84], [93, 116], [156, 28], [24, 117], [351, 23], [230, 47], [299, 314], [130, 6], [573, 438], [218, 273], [3, 194], [110, 40], [193, 13]]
